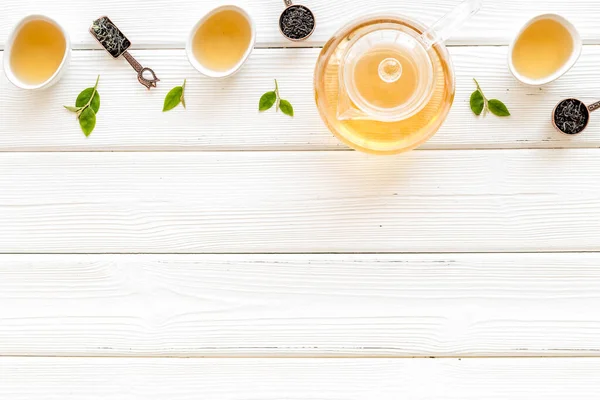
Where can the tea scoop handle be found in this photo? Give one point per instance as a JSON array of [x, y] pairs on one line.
[[594, 107], [449, 23], [148, 82]]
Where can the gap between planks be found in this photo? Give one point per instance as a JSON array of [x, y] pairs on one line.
[[311, 356]]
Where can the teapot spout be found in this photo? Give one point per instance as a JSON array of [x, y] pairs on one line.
[[450, 23]]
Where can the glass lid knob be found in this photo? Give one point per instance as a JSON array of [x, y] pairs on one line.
[[390, 70]]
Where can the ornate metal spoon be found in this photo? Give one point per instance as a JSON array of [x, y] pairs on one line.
[[114, 41], [571, 116]]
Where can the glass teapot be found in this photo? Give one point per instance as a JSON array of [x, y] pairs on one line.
[[385, 84]]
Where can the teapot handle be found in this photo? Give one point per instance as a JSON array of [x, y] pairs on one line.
[[450, 23]]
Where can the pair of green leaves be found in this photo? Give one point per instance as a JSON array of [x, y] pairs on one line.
[[479, 103], [269, 99], [174, 97], [86, 107]]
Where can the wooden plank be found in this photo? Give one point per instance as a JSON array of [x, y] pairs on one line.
[[263, 202], [318, 379], [164, 23], [222, 115], [300, 305]]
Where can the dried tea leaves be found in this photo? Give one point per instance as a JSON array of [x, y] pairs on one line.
[[571, 116], [110, 37], [297, 22]]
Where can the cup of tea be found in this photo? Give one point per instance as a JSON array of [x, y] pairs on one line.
[[221, 41], [37, 53], [545, 48]]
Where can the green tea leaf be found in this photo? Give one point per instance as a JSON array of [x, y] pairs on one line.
[[477, 102], [173, 98], [183, 93], [266, 101], [85, 96], [73, 109], [273, 98], [277, 95], [498, 108], [86, 107], [87, 121], [286, 108]]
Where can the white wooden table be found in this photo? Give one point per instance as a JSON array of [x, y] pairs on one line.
[[215, 253]]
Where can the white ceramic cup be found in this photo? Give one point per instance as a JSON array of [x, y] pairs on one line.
[[577, 46], [12, 77], [207, 71]]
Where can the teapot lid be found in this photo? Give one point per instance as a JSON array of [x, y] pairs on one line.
[[387, 74]]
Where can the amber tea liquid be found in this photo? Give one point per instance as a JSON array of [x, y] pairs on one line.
[[542, 49], [378, 92], [37, 52], [222, 40]]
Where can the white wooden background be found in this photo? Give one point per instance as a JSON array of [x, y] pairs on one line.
[[215, 253]]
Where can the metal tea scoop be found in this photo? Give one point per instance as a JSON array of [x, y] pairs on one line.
[[115, 42], [571, 116], [296, 22]]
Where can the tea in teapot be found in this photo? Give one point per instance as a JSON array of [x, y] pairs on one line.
[[384, 85]]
